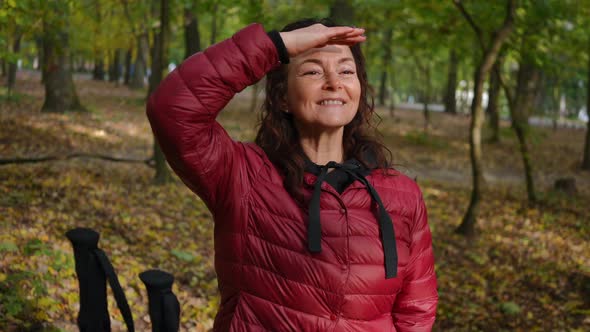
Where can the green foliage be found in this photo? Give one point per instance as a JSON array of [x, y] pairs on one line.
[[182, 255], [24, 293], [510, 308], [8, 247], [423, 32]]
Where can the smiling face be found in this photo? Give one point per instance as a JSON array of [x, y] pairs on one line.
[[323, 88]]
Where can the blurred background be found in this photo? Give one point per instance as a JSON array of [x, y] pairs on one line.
[[499, 89]]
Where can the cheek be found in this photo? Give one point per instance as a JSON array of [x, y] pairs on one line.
[[354, 91], [356, 88], [299, 95]]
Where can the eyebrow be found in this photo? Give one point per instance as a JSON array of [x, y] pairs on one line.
[[319, 62]]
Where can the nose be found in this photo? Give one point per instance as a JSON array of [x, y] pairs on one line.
[[332, 81]]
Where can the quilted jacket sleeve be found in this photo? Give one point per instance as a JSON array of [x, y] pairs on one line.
[[415, 306], [182, 112]]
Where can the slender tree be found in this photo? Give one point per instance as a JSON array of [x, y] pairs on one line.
[[128, 58], [426, 91], [387, 41], [450, 99], [142, 48], [490, 52], [12, 66], [494, 95], [192, 37], [520, 104], [535, 27], [98, 73], [115, 65], [159, 65], [214, 26], [586, 160]]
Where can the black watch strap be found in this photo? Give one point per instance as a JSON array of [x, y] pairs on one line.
[[281, 48]]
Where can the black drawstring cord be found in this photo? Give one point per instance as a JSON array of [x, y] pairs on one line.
[[314, 231], [387, 231]]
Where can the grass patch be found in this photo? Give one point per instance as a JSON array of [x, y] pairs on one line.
[[535, 136], [417, 137], [13, 97]]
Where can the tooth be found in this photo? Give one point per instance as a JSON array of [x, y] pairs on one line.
[[331, 102]]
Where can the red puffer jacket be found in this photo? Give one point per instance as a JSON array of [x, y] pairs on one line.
[[268, 279]]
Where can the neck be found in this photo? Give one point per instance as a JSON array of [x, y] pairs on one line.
[[323, 147]]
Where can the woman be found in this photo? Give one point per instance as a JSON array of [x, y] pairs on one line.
[[368, 265]]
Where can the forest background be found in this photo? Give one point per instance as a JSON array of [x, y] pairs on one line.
[[484, 103]]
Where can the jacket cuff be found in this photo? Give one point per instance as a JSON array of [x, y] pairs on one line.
[[281, 48]]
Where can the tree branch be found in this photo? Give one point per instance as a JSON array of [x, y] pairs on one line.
[[497, 69], [505, 87], [148, 162], [499, 37], [474, 26]]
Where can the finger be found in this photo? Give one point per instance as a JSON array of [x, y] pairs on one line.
[[352, 34], [338, 31], [355, 32], [348, 41], [359, 38]]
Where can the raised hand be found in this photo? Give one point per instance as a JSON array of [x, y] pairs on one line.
[[318, 35]]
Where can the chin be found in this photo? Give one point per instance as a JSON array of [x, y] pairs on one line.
[[336, 120], [333, 124]]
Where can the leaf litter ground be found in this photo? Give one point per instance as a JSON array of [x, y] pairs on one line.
[[528, 269]]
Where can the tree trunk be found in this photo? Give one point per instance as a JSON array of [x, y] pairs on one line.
[[392, 103], [554, 92], [159, 62], [98, 72], [60, 92], [115, 67], [214, 23], [139, 69], [427, 97], [467, 227], [127, 78], [521, 133], [386, 59], [393, 85], [526, 90], [12, 67], [41, 61], [111, 57], [383, 87], [450, 99], [586, 161], [192, 37], [342, 12], [492, 110], [490, 53]]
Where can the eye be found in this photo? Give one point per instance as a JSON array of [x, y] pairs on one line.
[[311, 72], [348, 72]]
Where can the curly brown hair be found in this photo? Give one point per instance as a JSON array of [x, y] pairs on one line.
[[278, 136]]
